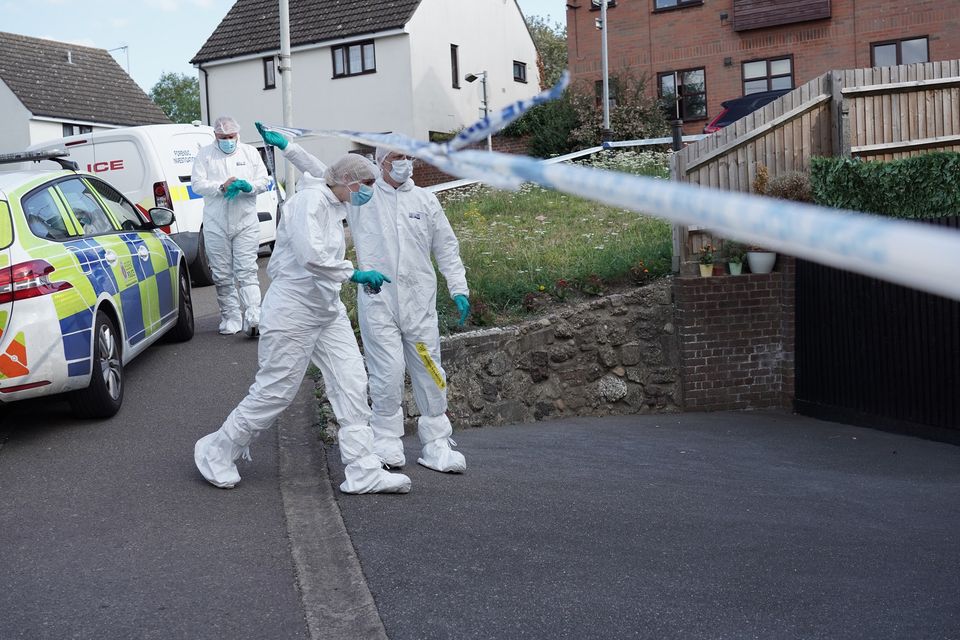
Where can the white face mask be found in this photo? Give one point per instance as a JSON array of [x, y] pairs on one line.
[[401, 170]]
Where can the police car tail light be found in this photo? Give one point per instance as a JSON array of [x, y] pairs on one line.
[[28, 280], [162, 195]]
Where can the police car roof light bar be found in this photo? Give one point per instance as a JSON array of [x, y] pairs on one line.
[[56, 155]]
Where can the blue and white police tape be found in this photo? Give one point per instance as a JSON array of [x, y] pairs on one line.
[[914, 255]]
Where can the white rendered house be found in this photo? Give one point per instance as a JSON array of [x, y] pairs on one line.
[[369, 65]]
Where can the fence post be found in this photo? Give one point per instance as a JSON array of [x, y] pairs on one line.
[[840, 120], [679, 231]]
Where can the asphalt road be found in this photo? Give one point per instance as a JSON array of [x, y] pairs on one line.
[[701, 525], [108, 531]]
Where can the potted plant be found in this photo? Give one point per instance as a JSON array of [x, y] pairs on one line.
[[760, 260], [735, 253], [706, 261]]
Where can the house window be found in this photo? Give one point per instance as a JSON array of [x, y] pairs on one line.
[[659, 5], [767, 75], [354, 59], [909, 51], [269, 73], [595, 5], [612, 87], [519, 71], [74, 129], [455, 65], [684, 93]]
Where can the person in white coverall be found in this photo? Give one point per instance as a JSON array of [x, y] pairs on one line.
[[303, 320], [229, 174], [398, 233]]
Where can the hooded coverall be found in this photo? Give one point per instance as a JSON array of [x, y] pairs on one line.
[[231, 230]]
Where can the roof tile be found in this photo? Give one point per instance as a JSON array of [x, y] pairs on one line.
[[63, 80], [253, 26]]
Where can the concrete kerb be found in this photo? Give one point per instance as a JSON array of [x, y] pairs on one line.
[[333, 591]]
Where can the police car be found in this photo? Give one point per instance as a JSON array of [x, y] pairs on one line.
[[87, 282]]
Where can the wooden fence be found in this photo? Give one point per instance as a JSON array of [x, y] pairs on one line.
[[882, 113]]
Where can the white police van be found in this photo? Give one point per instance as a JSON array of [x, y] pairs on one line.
[[151, 165]]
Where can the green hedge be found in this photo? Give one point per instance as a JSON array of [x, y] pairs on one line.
[[926, 186]]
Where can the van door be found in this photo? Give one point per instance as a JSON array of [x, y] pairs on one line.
[[123, 162], [175, 153]]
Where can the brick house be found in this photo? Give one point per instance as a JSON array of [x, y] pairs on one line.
[[708, 51]]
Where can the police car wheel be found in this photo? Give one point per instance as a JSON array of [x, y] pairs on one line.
[[102, 399], [183, 330]]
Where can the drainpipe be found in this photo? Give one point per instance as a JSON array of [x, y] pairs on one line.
[[206, 90]]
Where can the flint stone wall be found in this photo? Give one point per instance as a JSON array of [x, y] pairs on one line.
[[614, 355]]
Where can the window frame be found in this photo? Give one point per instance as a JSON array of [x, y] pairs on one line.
[[593, 7], [523, 67], [110, 195], [677, 73], [94, 199], [269, 69], [769, 78], [677, 5], [455, 65], [613, 88], [344, 49], [899, 43]]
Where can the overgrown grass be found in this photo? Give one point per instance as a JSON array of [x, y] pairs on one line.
[[529, 248]]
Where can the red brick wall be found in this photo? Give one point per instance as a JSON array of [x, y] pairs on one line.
[[693, 37], [426, 174], [737, 339]]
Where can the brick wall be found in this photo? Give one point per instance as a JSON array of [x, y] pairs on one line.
[[736, 337], [426, 174], [693, 37]]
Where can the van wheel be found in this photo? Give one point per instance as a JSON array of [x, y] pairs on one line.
[[200, 269], [102, 399], [183, 330]]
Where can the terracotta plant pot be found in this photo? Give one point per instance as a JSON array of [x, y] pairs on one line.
[[761, 261], [706, 270]]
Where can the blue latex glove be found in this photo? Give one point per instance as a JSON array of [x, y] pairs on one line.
[[271, 137], [243, 185], [373, 278], [232, 190], [463, 306]]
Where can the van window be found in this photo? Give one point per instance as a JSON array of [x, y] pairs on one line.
[[91, 216], [123, 212]]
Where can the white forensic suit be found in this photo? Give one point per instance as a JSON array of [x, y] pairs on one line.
[[304, 320], [231, 230], [397, 233]]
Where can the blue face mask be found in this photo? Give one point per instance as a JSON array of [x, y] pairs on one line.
[[228, 146], [362, 197]]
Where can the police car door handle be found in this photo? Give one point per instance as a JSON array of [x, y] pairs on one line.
[[143, 252], [110, 256]]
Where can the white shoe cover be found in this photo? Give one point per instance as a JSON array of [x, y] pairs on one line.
[[367, 475], [438, 455], [251, 329], [214, 455], [390, 450], [229, 326]]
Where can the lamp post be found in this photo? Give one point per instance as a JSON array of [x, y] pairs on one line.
[[606, 133], [470, 77]]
